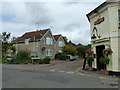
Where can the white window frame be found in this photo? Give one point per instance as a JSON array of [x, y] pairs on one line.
[[49, 41], [48, 52]]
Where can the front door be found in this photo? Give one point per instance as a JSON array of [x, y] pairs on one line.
[[99, 53]]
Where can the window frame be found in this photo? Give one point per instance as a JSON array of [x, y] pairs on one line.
[[49, 41], [48, 52]]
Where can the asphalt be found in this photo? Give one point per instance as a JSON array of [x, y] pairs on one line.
[[58, 74]]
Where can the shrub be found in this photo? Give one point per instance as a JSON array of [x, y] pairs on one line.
[[61, 56], [5, 61], [46, 60], [41, 61], [23, 57]]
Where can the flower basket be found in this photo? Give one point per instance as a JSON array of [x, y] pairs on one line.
[[107, 51], [89, 57]]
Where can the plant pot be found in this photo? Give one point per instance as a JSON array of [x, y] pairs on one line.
[[90, 69], [105, 72]]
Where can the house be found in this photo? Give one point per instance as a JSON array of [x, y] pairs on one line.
[[39, 43], [59, 43], [105, 33]]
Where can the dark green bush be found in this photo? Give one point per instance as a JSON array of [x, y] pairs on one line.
[[61, 56], [46, 60], [5, 61], [41, 61], [22, 57]]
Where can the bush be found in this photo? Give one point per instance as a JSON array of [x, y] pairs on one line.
[[23, 57], [46, 60], [61, 56], [41, 61], [5, 61]]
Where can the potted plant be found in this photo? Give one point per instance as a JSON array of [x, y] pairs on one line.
[[105, 60], [89, 56]]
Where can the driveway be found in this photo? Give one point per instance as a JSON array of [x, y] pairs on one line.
[[58, 74]]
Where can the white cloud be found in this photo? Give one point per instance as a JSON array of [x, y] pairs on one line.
[[68, 19]]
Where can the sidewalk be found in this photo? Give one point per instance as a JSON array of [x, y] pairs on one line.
[[98, 74]]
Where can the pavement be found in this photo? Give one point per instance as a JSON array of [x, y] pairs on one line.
[[96, 74], [58, 74]]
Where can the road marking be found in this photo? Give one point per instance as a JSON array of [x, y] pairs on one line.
[[61, 71], [70, 72], [52, 70]]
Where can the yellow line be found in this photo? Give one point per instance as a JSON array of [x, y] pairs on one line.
[[100, 77]]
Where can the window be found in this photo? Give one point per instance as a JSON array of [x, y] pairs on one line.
[[48, 52], [49, 41], [27, 41], [61, 44], [119, 18]]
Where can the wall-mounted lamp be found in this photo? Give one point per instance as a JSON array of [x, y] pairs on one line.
[[93, 34]]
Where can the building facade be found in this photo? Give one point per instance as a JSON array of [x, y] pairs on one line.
[[105, 33], [59, 43], [40, 43]]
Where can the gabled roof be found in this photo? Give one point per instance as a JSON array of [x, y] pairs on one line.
[[56, 37], [34, 35]]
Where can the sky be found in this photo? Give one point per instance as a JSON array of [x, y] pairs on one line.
[[66, 18]]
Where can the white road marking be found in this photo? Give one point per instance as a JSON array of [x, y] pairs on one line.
[[52, 70], [61, 71], [70, 72]]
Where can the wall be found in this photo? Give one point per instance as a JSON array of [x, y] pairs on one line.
[[108, 30], [34, 47], [57, 44]]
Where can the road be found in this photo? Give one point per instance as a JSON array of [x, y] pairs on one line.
[[58, 74]]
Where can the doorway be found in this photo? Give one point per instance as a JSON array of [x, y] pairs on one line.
[[99, 54]]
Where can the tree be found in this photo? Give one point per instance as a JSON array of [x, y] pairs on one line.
[[68, 49], [81, 50], [5, 36]]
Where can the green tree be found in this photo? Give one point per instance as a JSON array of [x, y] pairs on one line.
[[68, 49], [5, 36], [81, 50]]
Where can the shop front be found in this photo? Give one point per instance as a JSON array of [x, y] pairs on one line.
[[105, 37]]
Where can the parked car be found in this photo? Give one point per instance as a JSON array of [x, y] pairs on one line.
[[72, 58]]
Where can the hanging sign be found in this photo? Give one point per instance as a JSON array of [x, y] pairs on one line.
[[100, 20]]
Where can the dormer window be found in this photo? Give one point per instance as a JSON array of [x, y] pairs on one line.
[[49, 41]]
